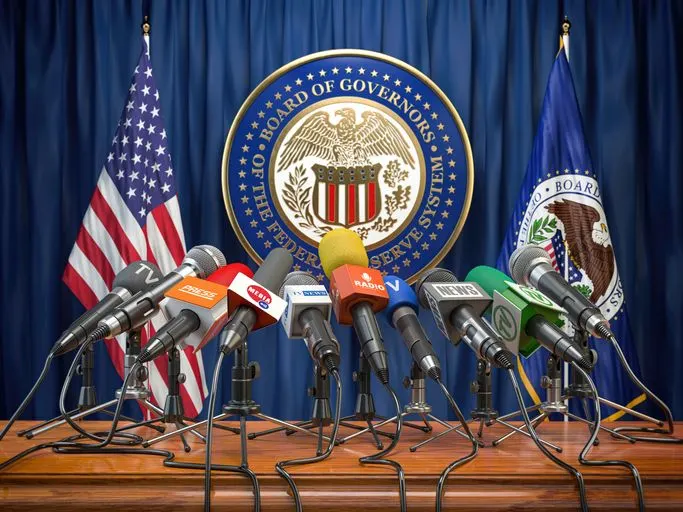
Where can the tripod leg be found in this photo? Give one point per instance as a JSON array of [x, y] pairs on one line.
[[121, 417], [606, 429], [186, 446], [136, 424], [226, 427], [384, 421], [285, 424], [168, 435], [520, 430], [426, 422], [636, 414], [22, 433], [319, 451], [517, 413], [372, 430], [480, 432], [147, 423], [304, 424], [243, 442], [181, 424], [78, 416]]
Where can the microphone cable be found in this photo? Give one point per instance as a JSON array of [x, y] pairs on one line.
[[377, 457], [659, 402], [525, 415], [280, 466], [131, 439], [461, 461], [22, 407], [594, 434]]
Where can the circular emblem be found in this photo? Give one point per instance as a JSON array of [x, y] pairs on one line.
[[565, 216], [504, 323], [354, 139]]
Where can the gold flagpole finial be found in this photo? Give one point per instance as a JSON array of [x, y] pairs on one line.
[[566, 26], [146, 26]]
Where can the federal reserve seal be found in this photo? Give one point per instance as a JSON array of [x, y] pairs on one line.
[[354, 139], [565, 216]]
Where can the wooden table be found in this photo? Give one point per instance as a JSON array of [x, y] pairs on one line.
[[511, 476]]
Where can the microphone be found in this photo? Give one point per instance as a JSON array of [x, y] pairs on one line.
[[401, 312], [525, 318], [200, 261], [457, 308], [252, 303], [307, 316], [198, 309], [358, 292], [531, 265], [131, 280]]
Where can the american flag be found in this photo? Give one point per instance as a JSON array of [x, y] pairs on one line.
[[133, 215]]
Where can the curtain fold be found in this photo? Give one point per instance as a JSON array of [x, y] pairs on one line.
[[66, 67]]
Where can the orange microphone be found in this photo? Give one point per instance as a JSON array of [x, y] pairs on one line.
[[357, 293]]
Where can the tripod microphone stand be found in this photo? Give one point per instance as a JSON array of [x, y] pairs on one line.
[[579, 388], [87, 397], [321, 415], [365, 409], [241, 404], [418, 405], [136, 391], [484, 412]]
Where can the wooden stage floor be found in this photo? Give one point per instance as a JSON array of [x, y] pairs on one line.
[[513, 476]]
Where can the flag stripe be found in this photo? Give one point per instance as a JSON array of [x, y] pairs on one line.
[[82, 265], [371, 199], [95, 255], [79, 287], [171, 239], [174, 212], [101, 208], [156, 246], [104, 241], [352, 204], [331, 202]]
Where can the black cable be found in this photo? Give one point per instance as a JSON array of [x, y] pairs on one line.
[[22, 407], [70, 444], [279, 467], [525, 415], [593, 437], [461, 461], [209, 433], [660, 403], [377, 457]]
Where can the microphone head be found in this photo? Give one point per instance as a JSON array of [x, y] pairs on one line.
[[434, 275], [274, 268], [339, 247], [400, 295], [524, 259], [298, 278], [137, 276], [205, 259], [225, 274], [489, 278]]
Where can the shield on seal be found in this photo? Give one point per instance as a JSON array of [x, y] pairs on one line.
[[347, 196]]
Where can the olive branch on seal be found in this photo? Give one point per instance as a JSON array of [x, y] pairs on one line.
[[298, 198], [542, 229]]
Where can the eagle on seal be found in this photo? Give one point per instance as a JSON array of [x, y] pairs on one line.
[[345, 143], [588, 245]]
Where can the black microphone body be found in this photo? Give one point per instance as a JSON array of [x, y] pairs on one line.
[[271, 274], [131, 280], [199, 262], [371, 340], [320, 340], [416, 341], [531, 265], [556, 341], [171, 334], [480, 337]]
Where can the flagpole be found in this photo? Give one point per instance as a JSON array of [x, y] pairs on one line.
[[566, 28], [564, 42]]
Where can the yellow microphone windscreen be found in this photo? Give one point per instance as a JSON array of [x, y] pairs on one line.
[[339, 247]]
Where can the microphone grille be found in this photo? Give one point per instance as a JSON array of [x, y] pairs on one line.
[[205, 258], [524, 259], [434, 275], [297, 278]]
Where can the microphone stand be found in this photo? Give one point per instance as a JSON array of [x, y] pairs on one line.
[[321, 414], [418, 404], [556, 400], [87, 397], [241, 404], [365, 408]]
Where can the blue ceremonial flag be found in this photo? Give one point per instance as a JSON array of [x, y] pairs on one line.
[[560, 208]]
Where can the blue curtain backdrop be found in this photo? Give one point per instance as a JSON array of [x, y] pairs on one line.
[[65, 69]]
